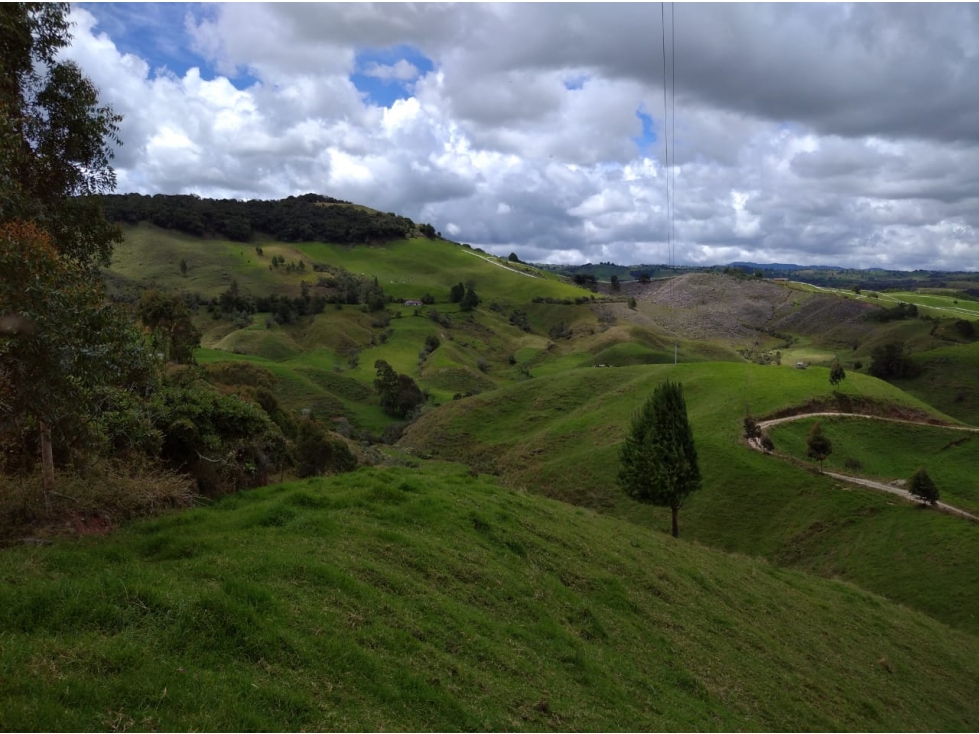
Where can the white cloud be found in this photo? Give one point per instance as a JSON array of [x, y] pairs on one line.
[[402, 71], [803, 133]]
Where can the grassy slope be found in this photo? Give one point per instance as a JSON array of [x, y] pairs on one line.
[[407, 269], [948, 381], [888, 451], [559, 436], [418, 600]]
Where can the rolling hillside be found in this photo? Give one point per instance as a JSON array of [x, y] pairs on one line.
[[559, 436], [428, 599]]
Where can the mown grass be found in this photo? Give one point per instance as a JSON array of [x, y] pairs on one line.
[[431, 600], [559, 436], [888, 451]]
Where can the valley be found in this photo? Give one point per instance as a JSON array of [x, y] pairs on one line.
[[482, 568]]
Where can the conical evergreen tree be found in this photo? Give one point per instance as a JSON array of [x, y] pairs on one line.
[[659, 458]]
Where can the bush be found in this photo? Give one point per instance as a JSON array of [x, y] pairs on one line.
[[317, 453], [889, 360], [922, 487]]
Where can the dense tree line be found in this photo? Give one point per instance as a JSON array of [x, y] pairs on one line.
[[295, 219], [900, 312], [89, 386]]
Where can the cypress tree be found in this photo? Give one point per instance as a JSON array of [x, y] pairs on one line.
[[659, 458]]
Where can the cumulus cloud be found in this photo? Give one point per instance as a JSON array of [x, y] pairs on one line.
[[844, 134]]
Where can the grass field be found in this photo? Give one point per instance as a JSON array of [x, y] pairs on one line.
[[150, 256], [558, 436], [888, 451], [396, 599], [932, 304], [949, 381]]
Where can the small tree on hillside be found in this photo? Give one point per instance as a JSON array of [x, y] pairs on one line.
[[399, 393], [469, 301], [614, 280], [836, 374], [659, 459], [513, 258], [922, 487], [818, 445], [456, 293]]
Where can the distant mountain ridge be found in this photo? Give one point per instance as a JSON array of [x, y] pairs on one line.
[[787, 266]]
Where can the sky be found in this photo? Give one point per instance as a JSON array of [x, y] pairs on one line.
[[829, 133]]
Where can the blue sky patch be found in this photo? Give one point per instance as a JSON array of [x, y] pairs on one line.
[[648, 138], [574, 83], [156, 32], [388, 74]]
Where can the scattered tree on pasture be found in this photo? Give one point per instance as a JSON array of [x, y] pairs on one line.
[[659, 459], [922, 487], [399, 393], [469, 301], [818, 446], [836, 374]]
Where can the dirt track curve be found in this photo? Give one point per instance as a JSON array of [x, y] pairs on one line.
[[880, 486]]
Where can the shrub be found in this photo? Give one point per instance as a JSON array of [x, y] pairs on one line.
[[922, 487], [317, 453]]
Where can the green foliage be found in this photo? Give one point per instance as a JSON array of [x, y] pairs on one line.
[[900, 312], [513, 258], [171, 327], [818, 446], [614, 280], [295, 219], [457, 293], [922, 487], [469, 301], [400, 395], [965, 329], [56, 141], [836, 374], [317, 453], [890, 361], [658, 459], [225, 442], [71, 349]]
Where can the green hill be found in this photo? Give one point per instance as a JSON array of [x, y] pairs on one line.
[[429, 600], [559, 436], [893, 451]]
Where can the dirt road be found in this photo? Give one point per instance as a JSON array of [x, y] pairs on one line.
[[880, 486]]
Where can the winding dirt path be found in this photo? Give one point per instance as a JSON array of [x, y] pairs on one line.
[[501, 265], [880, 486]]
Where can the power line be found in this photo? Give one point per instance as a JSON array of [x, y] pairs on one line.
[[673, 130], [666, 137]]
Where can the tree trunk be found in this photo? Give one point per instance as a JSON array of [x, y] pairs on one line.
[[47, 461], [676, 521]]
